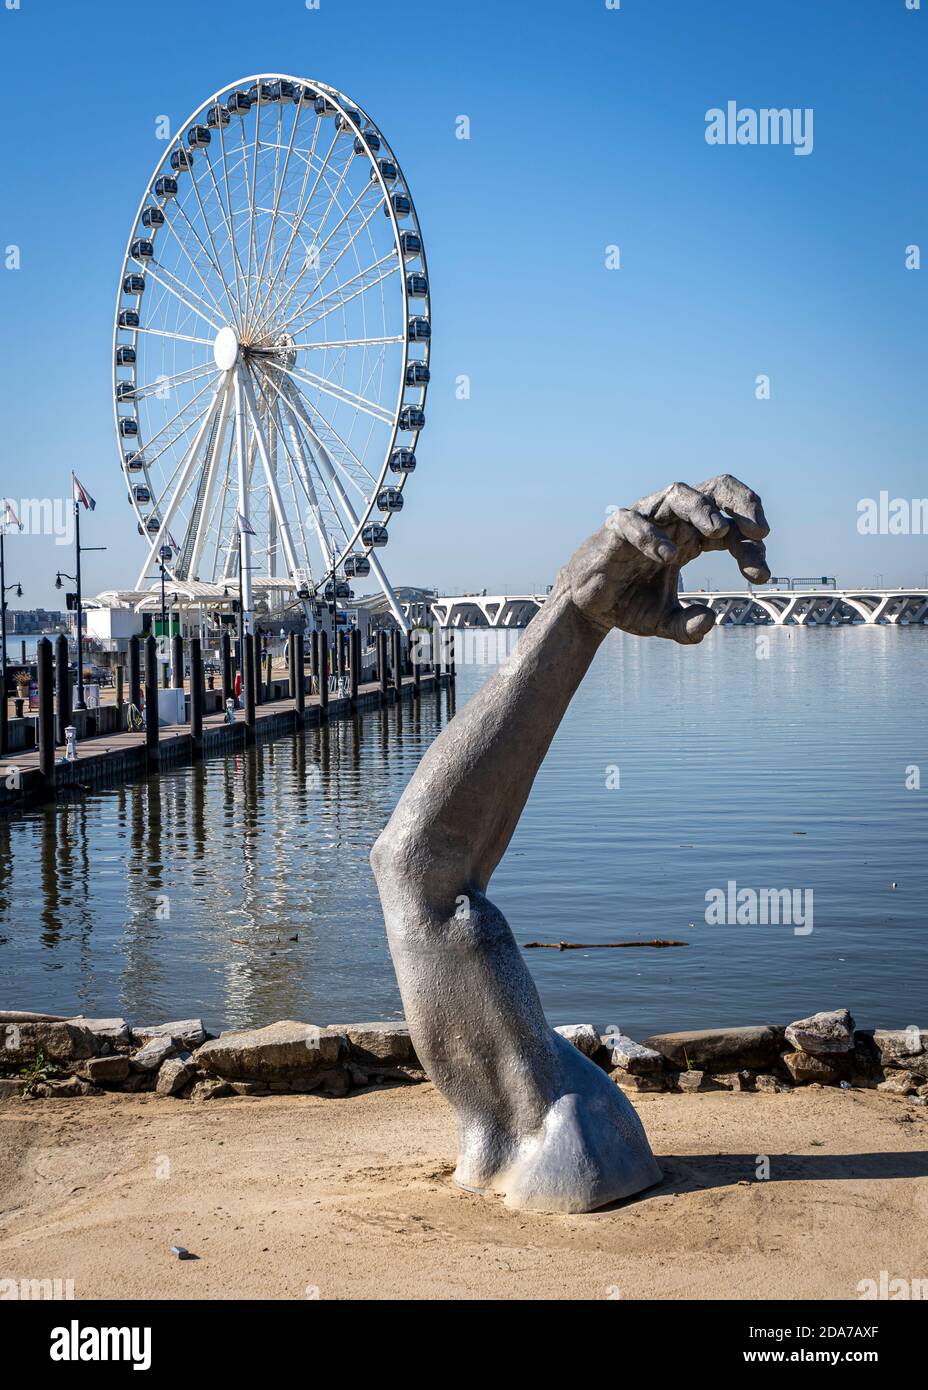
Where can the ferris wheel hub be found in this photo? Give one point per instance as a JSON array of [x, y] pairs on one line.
[[225, 349]]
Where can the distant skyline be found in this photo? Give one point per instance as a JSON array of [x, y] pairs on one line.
[[631, 293]]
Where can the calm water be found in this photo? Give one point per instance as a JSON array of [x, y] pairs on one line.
[[786, 772]]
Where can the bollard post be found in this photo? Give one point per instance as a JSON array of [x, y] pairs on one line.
[[448, 647], [314, 653], [269, 688], [196, 696], [151, 703], [62, 686], [395, 660], [300, 678], [415, 656], [228, 678], [46, 720], [248, 680], [382, 673], [291, 663], [354, 664], [324, 674], [177, 660], [120, 698], [135, 672]]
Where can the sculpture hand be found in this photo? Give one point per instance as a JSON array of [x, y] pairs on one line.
[[625, 575]]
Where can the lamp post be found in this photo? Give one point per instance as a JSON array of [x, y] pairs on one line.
[[78, 550], [4, 590]]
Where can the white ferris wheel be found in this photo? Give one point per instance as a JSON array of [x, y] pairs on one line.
[[271, 347]]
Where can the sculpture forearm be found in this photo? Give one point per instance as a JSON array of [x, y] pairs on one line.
[[456, 817]]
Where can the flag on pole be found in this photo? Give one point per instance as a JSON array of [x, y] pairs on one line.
[[245, 527], [9, 516], [173, 542], [81, 494]]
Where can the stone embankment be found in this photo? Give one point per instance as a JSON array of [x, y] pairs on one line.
[[43, 1055]]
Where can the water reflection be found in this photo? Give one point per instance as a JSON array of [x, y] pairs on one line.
[[240, 889]]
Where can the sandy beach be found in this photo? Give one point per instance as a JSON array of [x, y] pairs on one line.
[[307, 1197]]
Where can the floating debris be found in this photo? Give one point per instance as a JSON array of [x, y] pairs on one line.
[[597, 945]]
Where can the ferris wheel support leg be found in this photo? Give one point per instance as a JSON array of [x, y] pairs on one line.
[[283, 524], [327, 467], [186, 471], [244, 540]]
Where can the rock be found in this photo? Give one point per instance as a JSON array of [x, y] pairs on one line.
[[584, 1037], [804, 1067], [249, 1088], [719, 1049], [57, 1042], [150, 1057], [10, 1089], [173, 1075], [906, 1048], [68, 1088], [735, 1080], [695, 1080], [628, 1081], [900, 1083], [106, 1071], [211, 1090], [629, 1055], [285, 1051], [386, 1043], [823, 1033], [766, 1082], [187, 1032], [114, 1031]]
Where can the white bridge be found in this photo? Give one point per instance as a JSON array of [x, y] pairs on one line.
[[804, 607]]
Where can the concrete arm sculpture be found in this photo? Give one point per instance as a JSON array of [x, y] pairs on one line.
[[538, 1121]]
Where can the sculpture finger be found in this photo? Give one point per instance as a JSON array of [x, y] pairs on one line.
[[687, 625], [684, 503], [750, 555], [740, 502], [638, 531]]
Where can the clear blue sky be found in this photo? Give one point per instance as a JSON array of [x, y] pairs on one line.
[[589, 386]]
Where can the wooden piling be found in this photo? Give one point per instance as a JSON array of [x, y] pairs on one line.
[[177, 661], [151, 703], [46, 719], [323, 675], [249, 642], [228, 675], [62, 686], [382, 673], [299, 678], [135, 672], [196, 696]]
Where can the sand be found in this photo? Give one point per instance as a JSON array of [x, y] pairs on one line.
[[306, 1197]]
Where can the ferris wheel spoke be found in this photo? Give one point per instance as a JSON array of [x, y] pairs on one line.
[[162, 383], [283, 399], [308, 298], [304, 472], [186, 472], [227, 209], [339, 393], [251, 206], [324, 460], [349, 342], [302, 211], [167, 425], [283, 522], [292, 393], [214, 259], [295, 468], [278, 189], [318, 249], [146, 267], [340, 302], [181, 337], [285, 259], [201, 515]]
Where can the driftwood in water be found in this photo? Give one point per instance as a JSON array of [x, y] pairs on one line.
[[598, 945]]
